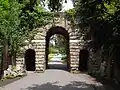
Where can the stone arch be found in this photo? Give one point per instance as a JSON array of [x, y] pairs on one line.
[[57, 30], [40, 39], [30, 60]]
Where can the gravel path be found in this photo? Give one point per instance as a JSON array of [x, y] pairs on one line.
[[53, 79]]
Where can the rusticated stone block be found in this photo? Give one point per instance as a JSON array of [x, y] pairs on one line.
[[75, 41], [74, 66], [40, 60], [39, 56], [40, 53], [41, 46], [40, 50], [74, 50], [74, 47], [75, 44], [39, 37], [74, 57], [40, 65], [38, 41], [74, 53], [19, 59], [73, 63]]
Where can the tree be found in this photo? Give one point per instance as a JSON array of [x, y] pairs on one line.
[[9, 22], [17, 23], [101, 16]]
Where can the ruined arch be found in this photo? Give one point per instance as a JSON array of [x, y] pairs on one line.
[[30, 60], [61, 31], [40, 40]]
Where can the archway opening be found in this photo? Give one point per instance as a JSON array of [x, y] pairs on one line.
[[83, 60], [57, 32], [30, 60]]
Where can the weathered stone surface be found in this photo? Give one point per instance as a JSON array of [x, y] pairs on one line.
[[74, 41], [74, 53], [74, 57], [39, 37], [40, 56], [74, 47], [40, 50], [75, 44], [74, 50], [39, 42], [42, 45], [19, 59], [39, 46]]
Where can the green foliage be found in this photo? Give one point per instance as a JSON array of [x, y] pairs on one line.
[[53, 50], [64, 57], [54, 5], [18, 21], [71, 15], [50, 56], [63, 50], [102, 18], [60, 43], [36, 18], [9, 21]]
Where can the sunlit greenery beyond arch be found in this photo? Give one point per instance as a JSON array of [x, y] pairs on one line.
[[57, 30]]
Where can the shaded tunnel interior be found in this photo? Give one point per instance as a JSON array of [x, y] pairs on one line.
[[83, 60], [30, 60], [61, 31]]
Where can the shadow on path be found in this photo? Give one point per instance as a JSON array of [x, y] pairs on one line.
[[58, 66], [109, 85], [53, 86], [55, 80]]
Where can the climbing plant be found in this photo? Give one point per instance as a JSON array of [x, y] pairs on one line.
[[70, 14]]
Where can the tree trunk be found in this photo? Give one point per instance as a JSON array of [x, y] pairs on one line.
[[13, 59], [5, 54], [1, 67]]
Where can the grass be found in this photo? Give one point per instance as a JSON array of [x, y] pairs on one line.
[[53, 50], [50, 56], [8, 81]]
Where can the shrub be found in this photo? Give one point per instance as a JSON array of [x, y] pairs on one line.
[[53, 50]]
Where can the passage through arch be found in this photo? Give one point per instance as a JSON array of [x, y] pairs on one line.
[[83, 60], [63, 32], [30, 60]]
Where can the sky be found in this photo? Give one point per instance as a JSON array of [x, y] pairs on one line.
[[66, 6]]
